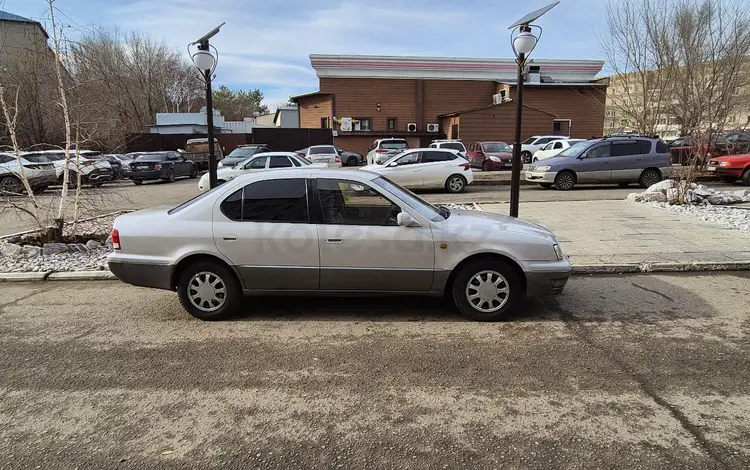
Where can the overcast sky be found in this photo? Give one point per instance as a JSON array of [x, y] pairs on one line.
[[266, 43]]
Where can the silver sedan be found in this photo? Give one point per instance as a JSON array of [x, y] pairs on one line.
[[332, 231]]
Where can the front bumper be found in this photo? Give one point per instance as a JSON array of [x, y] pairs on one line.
[[157, 276], [501, 165], [726, 171], [541, 176], [547, 278]]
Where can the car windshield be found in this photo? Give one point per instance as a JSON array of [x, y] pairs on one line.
[[35, 158], [575, 149], [241, 152], [303, 161], [193, 200], [415, 202], [530, 140], [393, 145], [497, 147]]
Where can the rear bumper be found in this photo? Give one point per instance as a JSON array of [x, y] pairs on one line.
[[157, 276], [146, 175], [99, 175]]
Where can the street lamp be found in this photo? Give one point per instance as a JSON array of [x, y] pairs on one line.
[[206, 63], [523, 43]]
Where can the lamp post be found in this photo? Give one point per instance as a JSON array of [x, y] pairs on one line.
[[206, 63], [523, 43]]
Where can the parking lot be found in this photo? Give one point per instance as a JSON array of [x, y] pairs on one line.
[[104, 375]]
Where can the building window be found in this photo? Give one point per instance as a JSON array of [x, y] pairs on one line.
[[362, 124], [392, 124], [324, 123], [557, 126]]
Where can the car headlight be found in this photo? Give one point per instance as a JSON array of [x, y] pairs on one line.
[[541, 168], [558, 251], [725, 164], [495, 159]]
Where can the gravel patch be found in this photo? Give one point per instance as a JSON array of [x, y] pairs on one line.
[[730, 217], [92, 260]]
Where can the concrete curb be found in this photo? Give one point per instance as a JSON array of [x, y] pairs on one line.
[[624, 268]]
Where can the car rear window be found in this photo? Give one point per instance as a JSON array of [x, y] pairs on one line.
[[153, 157], [318, 150], [394, 145], [453, 146], [35, 158]]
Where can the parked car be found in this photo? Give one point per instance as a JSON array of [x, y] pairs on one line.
[[196, 150], [453, 144], [740, 141], [241, 153], [427, 168], [553, 148], [609, 160], [344, 232], [490, 156], [349, 158], [92, 170], [256, 163], [383, 150], [731, 168], [324, 154], [166, 166], [125, 161], [534, 143], [686, 149], [38, 171], [114, 163]]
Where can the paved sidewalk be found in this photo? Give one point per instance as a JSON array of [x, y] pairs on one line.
[[620, 232]]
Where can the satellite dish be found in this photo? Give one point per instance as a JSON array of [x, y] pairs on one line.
[[533, 15]]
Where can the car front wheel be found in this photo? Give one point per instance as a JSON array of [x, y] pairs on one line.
[[486, 289], [565, 181], [209, 291]]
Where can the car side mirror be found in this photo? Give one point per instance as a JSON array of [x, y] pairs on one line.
[[392, 164], [405, 219], [181, 150], [582, 156]]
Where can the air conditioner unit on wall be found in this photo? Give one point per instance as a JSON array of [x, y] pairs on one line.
[[411, 127], [433, 128]]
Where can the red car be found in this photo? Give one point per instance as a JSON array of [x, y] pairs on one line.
[[490, 156], [731, 168]]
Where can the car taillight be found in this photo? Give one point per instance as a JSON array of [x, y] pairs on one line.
[[308, 158], [338, 159], [669, 160], [467, 166], [381, 151], [157, 166], [115, 239]]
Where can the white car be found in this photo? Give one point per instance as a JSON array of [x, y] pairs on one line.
[[449, 144], [39, 172], [534, 143], [324, 154], [258, 162], [554, 147], [383, 150], [93, 171], [427, 168]]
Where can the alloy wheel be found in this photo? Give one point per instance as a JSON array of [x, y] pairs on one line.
[[207, 291], [487, 291], [456, 184], [10, 185], [565, 181]]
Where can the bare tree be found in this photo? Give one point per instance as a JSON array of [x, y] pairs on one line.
[[637, 48]]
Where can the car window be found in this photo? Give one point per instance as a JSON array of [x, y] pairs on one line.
[[622, 149], [6, 158], [415, 202], [151, 158], [242, 152], [575, 149], [598, 151], [256, 163], [409, 159], [278, 200], [432, 146], [558, 145], [530, 140], [279, 161], [394, 145], [497, 147], [661, 147], [471, 147], [34, 158], [346, 202], [319, 150], [437, 156], [644, 146], [172, 158], [454, 146]]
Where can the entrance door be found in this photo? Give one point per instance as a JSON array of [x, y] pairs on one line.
[[362, 248]]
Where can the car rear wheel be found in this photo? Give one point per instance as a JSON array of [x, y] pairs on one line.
[[565, 180], [526, 156], [455, 184], [351, 161], [746, 177], [486, 289], [194, 172], [209, 291], [170, 176], [649, 178], [10, 185]]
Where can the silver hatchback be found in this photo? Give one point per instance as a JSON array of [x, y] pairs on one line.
[[332, 231]]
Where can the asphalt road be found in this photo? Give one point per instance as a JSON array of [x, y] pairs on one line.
[[125, 195], [646, 371]]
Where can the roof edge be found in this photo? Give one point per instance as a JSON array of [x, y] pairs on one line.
[[471, 110]]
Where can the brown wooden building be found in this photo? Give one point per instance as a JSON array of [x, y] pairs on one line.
[[362, 98]]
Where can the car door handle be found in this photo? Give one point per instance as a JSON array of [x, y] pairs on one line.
[[334, 240], [229, 238]]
